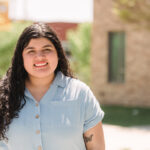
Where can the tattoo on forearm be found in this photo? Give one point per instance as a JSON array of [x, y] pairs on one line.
[[88, 139]]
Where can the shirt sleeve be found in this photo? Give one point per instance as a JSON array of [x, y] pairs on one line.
[[93, 113], [3, 146]]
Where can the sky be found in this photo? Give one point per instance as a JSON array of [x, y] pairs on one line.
[[52, 10]]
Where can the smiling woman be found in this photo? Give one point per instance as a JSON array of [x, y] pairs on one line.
[[40, 59], [41, 103]]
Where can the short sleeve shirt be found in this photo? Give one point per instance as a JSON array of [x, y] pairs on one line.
[[58, 121]]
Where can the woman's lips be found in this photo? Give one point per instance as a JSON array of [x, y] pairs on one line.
[[42, 64]]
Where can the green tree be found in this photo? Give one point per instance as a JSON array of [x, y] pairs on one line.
[[80, 45], [133, 11], [8, 41]]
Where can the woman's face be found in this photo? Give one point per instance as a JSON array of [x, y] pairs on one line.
[[40, 58]]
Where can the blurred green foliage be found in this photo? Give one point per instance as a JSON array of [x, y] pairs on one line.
[[126, 116], [8, 41], [80, 44], [133, 11]]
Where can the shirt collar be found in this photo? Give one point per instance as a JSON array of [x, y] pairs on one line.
[[60, 79]]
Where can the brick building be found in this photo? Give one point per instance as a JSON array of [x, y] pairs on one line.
[[61, 29], [120, 59], [4, 20]]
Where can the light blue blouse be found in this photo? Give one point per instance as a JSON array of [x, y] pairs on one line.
[[58, 121]]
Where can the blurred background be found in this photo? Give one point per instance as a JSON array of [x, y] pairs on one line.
[[107, 43]]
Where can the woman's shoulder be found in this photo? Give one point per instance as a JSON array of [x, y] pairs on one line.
[[78, 86], [78, 83], [72, 84], [70, 81]]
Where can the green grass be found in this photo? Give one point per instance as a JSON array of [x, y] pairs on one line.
[[126, 116], [8, 41]]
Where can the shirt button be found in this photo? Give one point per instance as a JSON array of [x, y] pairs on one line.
[[37, 116], [36, 104], [39, 147], [37, 131]]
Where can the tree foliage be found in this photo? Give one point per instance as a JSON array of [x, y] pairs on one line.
[[133, 11], [80, 44], [8, 41]]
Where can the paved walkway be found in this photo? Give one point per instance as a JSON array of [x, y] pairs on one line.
[[127, 138]]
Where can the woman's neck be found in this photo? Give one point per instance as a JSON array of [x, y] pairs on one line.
[[38, 87], [38, 83]]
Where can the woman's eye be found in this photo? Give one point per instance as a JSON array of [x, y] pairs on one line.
[[31, 52], [47, 50]]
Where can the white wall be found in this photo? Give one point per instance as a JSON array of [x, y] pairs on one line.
[[52, 10]]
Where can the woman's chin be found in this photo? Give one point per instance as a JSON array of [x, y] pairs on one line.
[[42, 74]]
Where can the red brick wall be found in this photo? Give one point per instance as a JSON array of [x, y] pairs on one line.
[[61, 28]]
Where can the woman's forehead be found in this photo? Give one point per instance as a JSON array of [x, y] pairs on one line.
[[39, 42]]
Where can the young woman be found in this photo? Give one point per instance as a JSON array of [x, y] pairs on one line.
[[42, 106]]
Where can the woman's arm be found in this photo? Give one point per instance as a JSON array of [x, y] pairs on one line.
[[94, 138]]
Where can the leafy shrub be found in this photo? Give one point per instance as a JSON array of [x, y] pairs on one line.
[[8, 41], [80, 45]]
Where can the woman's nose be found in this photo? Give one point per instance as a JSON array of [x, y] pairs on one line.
[[40, 54]]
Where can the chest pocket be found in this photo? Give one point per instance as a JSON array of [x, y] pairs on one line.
[[63, 114]]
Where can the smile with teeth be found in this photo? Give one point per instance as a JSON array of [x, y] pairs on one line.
[[40, 64]]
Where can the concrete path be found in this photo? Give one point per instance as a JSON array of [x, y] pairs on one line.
[[127, 138]]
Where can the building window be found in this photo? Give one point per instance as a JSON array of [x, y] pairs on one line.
[[116, 57]]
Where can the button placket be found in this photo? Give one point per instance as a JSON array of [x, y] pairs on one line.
[[38, 129]]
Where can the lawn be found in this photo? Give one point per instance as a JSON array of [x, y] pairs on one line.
[[126, 116]]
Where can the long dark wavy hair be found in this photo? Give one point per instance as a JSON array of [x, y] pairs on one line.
[[12, 85]]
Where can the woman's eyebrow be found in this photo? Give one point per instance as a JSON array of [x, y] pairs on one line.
[[27, 48], [48, 45]]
